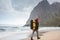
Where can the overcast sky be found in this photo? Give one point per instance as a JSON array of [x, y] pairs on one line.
[[16, 12]]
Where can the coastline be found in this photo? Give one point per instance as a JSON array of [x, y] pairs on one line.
[[50, 35]]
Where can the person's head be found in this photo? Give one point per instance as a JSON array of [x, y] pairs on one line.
[[36, 18]]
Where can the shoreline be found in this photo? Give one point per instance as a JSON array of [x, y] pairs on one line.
[[49, 35]]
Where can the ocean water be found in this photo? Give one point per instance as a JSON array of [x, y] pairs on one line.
[[18, 33], [13, 33]]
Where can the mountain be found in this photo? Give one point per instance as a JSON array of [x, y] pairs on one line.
[[49, 14]]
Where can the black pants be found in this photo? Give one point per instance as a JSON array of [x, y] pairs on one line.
[[33, 33]]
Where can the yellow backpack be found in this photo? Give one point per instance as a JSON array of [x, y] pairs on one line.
[[33, 24]]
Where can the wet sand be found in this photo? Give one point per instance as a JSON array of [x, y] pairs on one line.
[[51, 35]]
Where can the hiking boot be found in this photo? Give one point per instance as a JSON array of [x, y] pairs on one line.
[[38, 37], [31, 38]]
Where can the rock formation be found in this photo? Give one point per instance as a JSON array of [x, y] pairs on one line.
[[49, 14]]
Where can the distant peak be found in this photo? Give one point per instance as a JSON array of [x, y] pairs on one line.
[[56, 3], [44, 0]]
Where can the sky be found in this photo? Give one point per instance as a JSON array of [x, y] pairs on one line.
[[17, 12]]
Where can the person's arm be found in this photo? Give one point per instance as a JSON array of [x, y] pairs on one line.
[[39, 23]]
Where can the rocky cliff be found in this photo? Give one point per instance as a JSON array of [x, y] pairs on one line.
[[49, 14]]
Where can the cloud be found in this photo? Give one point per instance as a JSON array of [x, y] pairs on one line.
[[10, 16], [21, 4], [5, 5]]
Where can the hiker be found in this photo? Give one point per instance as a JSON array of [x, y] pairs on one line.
[[34, 27]]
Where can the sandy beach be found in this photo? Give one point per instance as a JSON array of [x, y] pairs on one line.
[[51, 35]]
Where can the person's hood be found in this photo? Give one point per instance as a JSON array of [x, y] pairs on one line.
[[36, 19]]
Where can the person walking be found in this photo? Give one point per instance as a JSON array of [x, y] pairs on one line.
[[34, 27]]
